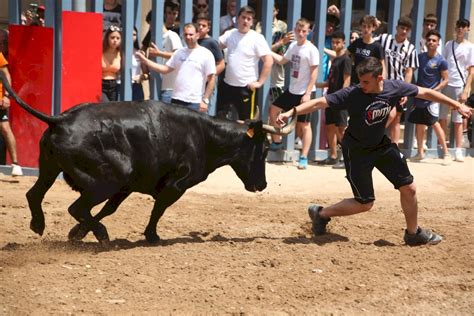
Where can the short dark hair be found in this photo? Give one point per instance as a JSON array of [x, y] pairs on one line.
[[369, 65], [463, 23], [172, 4], [247, 9], [202, 16], [405, 21], [339, 34], [430, 18], [433, 32]]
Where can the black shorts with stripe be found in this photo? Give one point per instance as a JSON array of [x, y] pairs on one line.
[[288, 100]]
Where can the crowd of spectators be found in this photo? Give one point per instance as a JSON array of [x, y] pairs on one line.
[[240, 61]]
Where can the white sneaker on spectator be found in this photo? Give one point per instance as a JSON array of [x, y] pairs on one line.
[[458, 155], [16, 170]]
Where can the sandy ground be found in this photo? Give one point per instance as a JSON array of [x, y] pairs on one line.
[[228, 251]]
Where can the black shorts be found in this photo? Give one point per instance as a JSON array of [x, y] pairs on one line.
[[235, 103], [3, 115], [422, 116], [288, 100], [336, 117], [359, 164]]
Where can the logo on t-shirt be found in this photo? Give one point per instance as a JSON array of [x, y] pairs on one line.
[[295, 65], [362, 52], [376, 112]]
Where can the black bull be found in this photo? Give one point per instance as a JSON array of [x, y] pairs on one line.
[[107, 151]]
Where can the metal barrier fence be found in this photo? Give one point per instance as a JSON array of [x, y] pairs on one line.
[[132, 16]]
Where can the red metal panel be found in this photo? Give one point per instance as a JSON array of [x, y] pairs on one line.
[[31, 66], [81, 59]]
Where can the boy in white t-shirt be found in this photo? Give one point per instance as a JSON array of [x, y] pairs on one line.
[[171, 43], [304, 58], [459, 54], [245, 48], [194, 66]]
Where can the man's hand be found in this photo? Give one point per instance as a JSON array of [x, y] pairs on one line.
[[305, 97], [254, 85], [462, 97], [141, 55], [203, 107], [403, 100], [464, 110], [282, 118], [154, 51]]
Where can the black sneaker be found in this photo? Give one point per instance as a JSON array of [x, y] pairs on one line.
[[340, 165], [422, 237], [319, 223], [329, 161]]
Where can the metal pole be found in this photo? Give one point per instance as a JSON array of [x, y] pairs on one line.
[[127, 51]]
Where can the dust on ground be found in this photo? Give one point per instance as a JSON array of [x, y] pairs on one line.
[[228, 251]]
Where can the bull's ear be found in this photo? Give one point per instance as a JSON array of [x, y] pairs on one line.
[[250, 132]]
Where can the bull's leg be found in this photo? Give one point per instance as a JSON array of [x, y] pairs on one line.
[[80, 231], [81, 211], [47, 176], [163, 200]]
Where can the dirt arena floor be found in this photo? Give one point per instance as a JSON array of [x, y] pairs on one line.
[[228, 251]]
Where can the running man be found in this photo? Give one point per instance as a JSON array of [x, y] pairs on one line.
[[366, 146]]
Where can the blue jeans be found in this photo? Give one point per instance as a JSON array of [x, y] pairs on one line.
[[166, 96], [192, 106]]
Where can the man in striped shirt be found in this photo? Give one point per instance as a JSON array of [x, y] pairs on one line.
[[401, 59]]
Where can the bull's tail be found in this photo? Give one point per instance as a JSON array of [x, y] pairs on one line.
[[43, 117]]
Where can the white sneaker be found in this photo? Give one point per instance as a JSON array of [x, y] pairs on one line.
[[459, 156], [16, 170]]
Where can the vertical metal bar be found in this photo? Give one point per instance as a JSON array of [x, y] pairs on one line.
[[186, 14], [79, 6], [267, 21], [371, 7], [346, 17], [56, 7], [294, 13], [442, 14], [14, 12], [156, 28], [137, 17], [465, 12], [49, 14], [97, 6], [240, 4], [214, 13], [67, 5], [419, 8], [394, 9], [127, 51], [319, 34]]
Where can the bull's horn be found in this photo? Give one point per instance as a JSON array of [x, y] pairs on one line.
[[256, 115], [282, 131]]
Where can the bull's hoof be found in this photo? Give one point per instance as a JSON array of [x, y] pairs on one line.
[[152, 237], [37, 227], [78, 233], [101, 234]]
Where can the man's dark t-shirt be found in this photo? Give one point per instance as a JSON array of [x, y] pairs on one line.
[[212, 45], [368, 111], [340, 66], [361, 51]]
